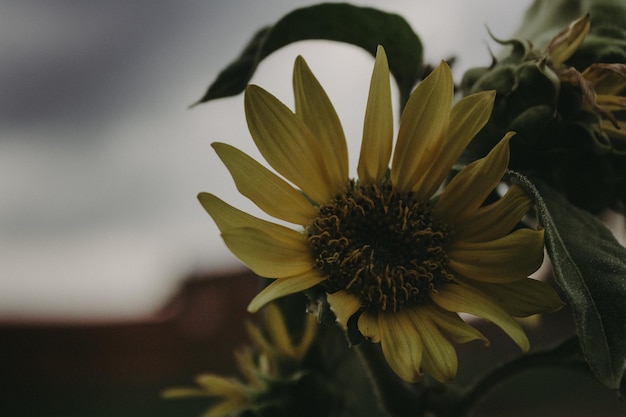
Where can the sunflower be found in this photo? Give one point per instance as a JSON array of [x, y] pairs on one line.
[[396, 257], [267, 368]]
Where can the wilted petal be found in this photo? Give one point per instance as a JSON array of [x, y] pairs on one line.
[[268, 191], [566, 42], [609, 102], [465, 299], [508, 259], [315, 109], [423, 123], [285, 286], [378, 125], [606, 79], [617, 135]]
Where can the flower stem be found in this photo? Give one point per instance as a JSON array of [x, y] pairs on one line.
[[565, 355], [396, 397]]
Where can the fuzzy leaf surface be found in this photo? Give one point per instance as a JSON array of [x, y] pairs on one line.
[[590, 266]]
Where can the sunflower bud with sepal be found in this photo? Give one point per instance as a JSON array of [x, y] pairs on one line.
[[570, 121]]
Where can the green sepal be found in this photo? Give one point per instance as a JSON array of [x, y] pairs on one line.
[[590, 267], [361, 26]]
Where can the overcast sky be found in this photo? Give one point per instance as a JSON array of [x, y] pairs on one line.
[[101, 160]]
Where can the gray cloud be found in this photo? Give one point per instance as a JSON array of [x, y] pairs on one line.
[[73, 63]]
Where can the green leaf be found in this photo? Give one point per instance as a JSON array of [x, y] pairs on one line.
[[590, 266], [360, 26]]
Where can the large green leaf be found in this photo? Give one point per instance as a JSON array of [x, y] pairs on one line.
[[360, 26], [590, 266]]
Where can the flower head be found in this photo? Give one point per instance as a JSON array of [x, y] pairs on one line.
[[601, 87], [272, 366], [397, 259], [591, 115], [567, 104]]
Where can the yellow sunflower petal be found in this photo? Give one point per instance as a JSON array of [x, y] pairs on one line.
[[524, 297], [284, 286], [422, 125], [469, 188], [439, 356], [308, 336], [258, 339], [278, 332], [378, 125], [344, 305], [467, 117], [219, 386], [402, 344], [170, 393], [287, 144], [268, 255], [453, 326], [267, 190], [496, 219], [315, 109], [227, 217], [465, 299], [510, 258], [368, 326], [246, 365], [224, 409]]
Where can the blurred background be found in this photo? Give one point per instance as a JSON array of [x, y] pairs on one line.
[[101, 159]]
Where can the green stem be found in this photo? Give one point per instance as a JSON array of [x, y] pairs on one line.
[[396, 397], [565, 355]]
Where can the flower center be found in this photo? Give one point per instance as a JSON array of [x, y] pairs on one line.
[[382, 245]]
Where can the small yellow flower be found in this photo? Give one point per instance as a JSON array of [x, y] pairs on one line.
[[392, 254], [270, 361]]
